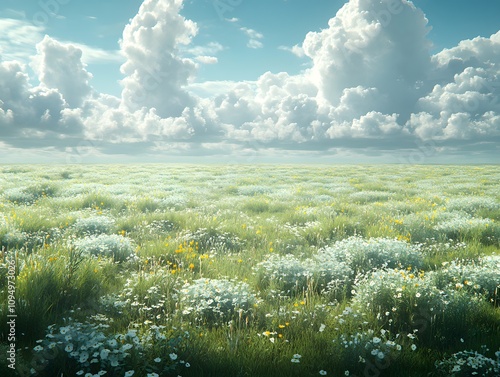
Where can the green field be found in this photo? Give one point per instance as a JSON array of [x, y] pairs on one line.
[[250, 270]]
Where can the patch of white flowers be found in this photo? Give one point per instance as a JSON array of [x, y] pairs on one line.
[[109, 245], [215, 299]]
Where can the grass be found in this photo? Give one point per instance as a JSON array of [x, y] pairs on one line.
[[249, 270]]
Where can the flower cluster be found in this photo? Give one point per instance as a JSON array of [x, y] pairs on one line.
[[96, 353], [94, 225], [291, 275], [213, 241], [455, 224], [88, 346], [117, 247], [215, 299], [286, 273], [472, 204], [482, 277], [144, 295], [364, 254], [370, 347], [397, 291], [469, 363]]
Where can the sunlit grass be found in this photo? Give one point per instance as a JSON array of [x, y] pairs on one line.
[[252, 270]]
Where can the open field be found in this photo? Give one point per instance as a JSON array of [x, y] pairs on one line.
[[250, 270]]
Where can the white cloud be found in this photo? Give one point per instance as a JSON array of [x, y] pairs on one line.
[[364, 46], [255, 44], [18, 38], [466, 105], [92, 54], [29, 114], [207, 59], [369, 87], [296, 50], [155, 74], [211, 48], [254, 38], [59, 67]]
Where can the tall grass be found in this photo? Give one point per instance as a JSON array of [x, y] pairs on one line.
[[251, 270]]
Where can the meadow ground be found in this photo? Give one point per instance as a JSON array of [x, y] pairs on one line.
[[249, 270]]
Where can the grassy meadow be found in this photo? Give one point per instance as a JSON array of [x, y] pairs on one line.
[[250, 270]]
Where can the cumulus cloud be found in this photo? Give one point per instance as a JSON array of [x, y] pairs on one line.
[[60, 67], [466, 102], [27, 113], [155, 74], [369, 87], [364, 46]]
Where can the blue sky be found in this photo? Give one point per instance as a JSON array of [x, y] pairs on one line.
[[227, 57], [283, 23]]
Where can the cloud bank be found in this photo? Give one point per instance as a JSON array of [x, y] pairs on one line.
[[373, 85]]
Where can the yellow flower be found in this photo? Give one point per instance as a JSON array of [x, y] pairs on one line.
[[191, 266], [281, 326]]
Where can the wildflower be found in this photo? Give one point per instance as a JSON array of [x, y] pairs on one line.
[[157, 360], [64, 330], [38, 348], [322, 327], [152, 375], [297, 356], [413, 347], [69, 347], [295, 361], [129, 373], [323, 372], [376, 340], [173, 356], [104, 354], [346, 373], [187, 365], [83, 357]]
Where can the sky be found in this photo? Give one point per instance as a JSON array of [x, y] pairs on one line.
[[357, 81]]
